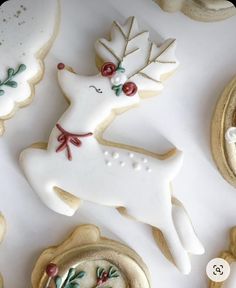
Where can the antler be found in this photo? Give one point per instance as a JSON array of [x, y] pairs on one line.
[[145, 63]]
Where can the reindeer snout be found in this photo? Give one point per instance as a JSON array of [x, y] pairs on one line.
[[60, 66]]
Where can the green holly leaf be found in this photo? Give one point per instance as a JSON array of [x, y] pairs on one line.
[[117, 89], [11, 84], [21, 68], [58, 281], [2, 92], [100, 272], [10, 72], [72, 285], [80, 275]]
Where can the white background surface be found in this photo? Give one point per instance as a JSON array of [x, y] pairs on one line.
[[181, 114]]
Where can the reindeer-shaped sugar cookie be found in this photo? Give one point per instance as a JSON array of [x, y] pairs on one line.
[[77, 164]]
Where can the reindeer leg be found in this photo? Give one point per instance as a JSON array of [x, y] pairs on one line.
[[185, 229], [172, 247], [52, 196]]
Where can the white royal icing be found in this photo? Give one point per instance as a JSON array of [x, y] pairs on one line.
[[230, 135], [94, 174], [143, 60], [26, 26]]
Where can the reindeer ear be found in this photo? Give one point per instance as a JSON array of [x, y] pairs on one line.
[[145, 63]]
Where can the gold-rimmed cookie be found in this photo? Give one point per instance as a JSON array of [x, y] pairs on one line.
[[87, 259], [229, 256], [223, 133]]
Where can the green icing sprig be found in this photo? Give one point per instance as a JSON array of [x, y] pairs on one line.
[[11, 73], [71, 280]]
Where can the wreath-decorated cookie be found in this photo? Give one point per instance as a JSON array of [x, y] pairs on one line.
[[79, 164], [230, 257], [28, 28], [223, 133], [201, 10], [88, 260], [2, 234]]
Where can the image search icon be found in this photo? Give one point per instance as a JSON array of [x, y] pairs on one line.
[[218, 270]]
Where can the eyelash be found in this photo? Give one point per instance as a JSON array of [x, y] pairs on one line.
[[98, 90]]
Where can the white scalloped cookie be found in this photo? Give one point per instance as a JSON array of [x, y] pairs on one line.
[[27, 31], [201, 10]]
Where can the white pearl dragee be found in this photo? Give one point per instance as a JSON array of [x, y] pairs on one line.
[[119, 79], [230, 135]]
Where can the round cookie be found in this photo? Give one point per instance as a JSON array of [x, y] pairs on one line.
[[28, 29], [223, 133], [201, 10], [230, 257], [87, 259]]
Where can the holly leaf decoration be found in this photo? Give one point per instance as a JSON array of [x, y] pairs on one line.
[[11, 84], [58, 281], [100, 272], [113, 273], [11, 73], [144, 61], [71, 280]]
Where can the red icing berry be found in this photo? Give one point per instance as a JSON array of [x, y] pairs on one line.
[[108, 69], [129, 88], [60, 66], [52, 270]]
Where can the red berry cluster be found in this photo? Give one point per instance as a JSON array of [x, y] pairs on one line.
[[103, 278], [109, 69]]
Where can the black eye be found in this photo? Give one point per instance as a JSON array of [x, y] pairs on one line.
[[98, 90]]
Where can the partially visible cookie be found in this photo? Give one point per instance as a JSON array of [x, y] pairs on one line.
[[230, 257], [223, 133], [86, 259], [2, 233], [28, 28], [201, 10]]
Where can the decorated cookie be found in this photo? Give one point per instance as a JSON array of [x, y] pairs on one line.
[[2, 234], [28, 28], [79, 164], [223, 133], [230, 257], [87, 260], [201, 10]]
